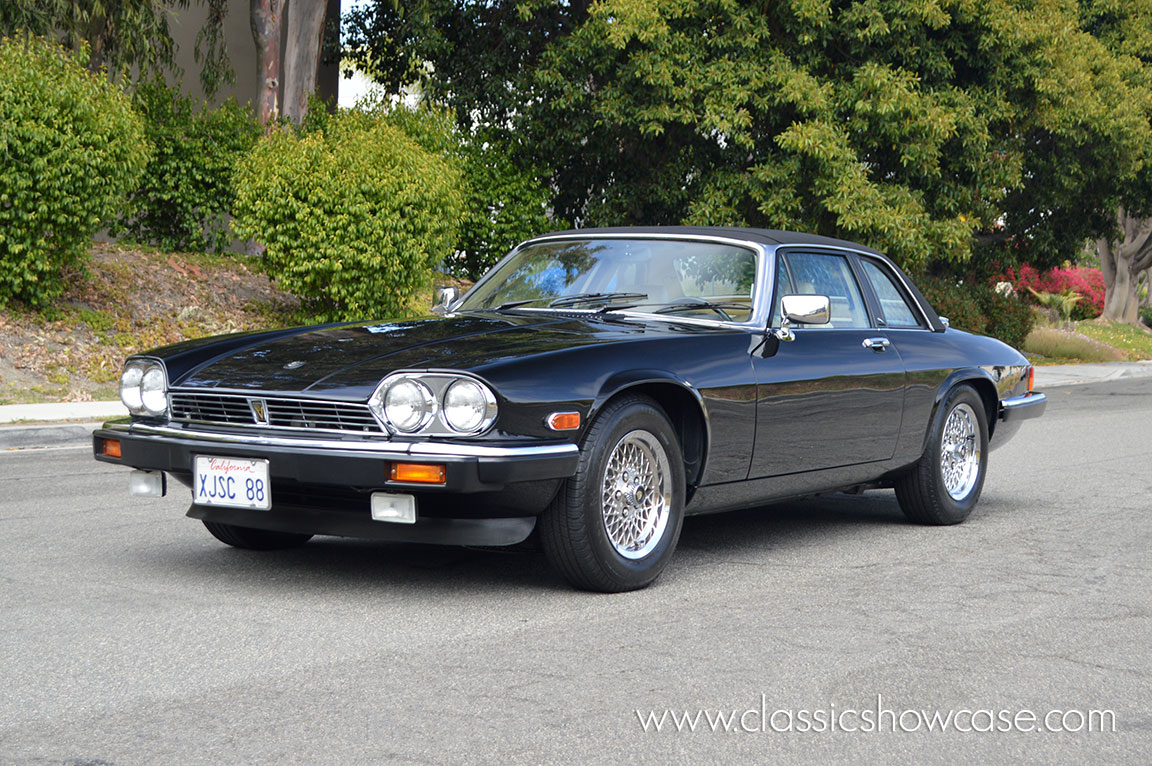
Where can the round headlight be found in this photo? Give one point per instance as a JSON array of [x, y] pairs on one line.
[[153, 395], [130, 392], [466, 406], [408, 405]]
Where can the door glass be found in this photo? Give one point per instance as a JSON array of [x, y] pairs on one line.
[[897, 312], [823, 274]]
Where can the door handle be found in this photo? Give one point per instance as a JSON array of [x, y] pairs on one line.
[[877, 344]]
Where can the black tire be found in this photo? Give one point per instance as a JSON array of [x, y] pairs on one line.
[[573, 531], [255, 539], [926, 495]]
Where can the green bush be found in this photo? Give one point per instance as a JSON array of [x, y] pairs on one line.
[[72, 149], [505, 203], [352, 217], [185, 196], [978, 308]]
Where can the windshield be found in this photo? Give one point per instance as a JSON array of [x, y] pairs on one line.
[[670, 277]]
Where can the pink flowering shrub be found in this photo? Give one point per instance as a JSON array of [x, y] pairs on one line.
[[1088, 283]]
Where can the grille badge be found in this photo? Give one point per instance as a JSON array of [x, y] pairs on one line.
[[259, 411]]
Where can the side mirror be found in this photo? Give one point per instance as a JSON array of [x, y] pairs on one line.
[[802, 309], [445, 296]]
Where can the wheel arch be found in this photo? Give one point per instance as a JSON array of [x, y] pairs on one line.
[[681, 402], [985, 386]]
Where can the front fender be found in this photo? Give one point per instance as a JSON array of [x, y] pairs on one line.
[[987, 385], [682, 402]]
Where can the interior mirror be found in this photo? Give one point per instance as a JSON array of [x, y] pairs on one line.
[[802, 309], [445, 296]]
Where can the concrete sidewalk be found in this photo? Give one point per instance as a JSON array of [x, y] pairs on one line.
[[88, 411], [24, 426]]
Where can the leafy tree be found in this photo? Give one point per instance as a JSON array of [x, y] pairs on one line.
[[506, 204], [1125, 244], [121, 34], [906, 124], [117, 34]]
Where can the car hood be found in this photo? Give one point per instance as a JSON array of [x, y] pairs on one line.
[[349, 360]]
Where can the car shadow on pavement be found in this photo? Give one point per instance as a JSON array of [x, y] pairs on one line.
[[340, 564]]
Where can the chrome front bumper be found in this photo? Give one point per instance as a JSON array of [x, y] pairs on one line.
[[339, 462], [1023, 407]]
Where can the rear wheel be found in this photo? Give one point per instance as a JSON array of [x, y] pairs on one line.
[[943, 487], [614, 525], [255, 539]]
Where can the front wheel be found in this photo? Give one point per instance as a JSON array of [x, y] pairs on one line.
[[943, 487], [255, 539], [613, 525]]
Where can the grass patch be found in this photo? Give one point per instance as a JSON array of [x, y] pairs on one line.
[[1065, 345], [1134, 342], [100, 321]]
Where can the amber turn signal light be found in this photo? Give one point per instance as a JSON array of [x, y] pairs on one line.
[[418, 473], [563, 421], [1031, 378], [111, 448]]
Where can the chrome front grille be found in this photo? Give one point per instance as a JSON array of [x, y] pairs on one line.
[[212, 408], [272, 412]]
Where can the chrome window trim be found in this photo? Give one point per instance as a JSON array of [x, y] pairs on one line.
[[417, 448], [764, 275], [861, 254]]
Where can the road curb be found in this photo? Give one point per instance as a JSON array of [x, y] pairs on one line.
[[1058, 375], [31, 437]]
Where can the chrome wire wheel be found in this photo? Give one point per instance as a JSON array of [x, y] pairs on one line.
[[636, 494], [960, 452]]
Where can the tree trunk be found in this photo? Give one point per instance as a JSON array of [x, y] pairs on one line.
[[1147, 299], [97, 29], [302, 55], [1121, 262], [267, 22]]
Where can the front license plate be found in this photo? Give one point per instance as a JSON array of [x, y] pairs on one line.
[[232, 481]]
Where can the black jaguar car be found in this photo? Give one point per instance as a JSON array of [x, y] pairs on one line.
[[594, 387]]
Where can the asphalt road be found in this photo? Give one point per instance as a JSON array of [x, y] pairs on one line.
[[129, 636]]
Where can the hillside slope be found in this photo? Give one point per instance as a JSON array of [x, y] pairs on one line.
[[129, 301]]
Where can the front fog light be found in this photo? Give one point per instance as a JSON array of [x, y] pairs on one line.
[[130, 392], [467, 405], [408, 405], [148, 484], [153, 395]]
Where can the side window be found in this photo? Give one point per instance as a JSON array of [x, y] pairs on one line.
[[897, 312], [831, 275]]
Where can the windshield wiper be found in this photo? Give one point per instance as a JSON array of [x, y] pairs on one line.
[[692, 304], [513, 304], [571, 300]]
